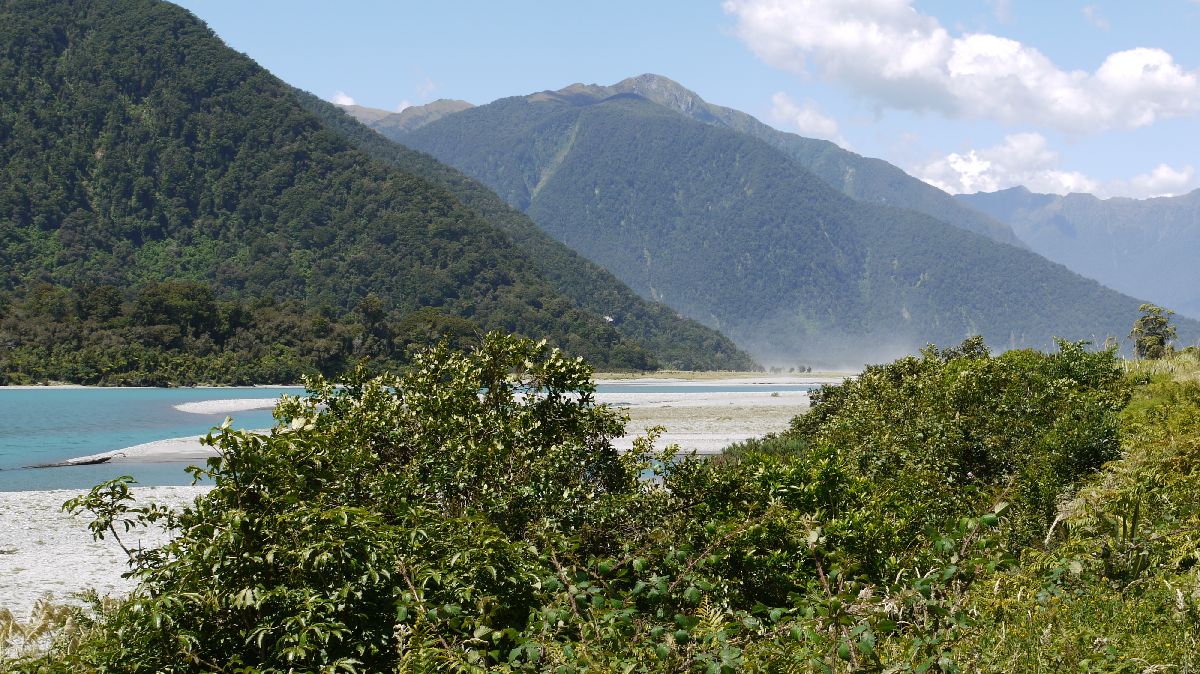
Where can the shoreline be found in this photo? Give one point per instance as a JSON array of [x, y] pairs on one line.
[[215, 387], [708, 377], [45, 550], [702, 421]]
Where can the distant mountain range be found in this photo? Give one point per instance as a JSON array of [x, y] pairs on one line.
[[135, 147], [1145, 247], [408, 119], [737, 232], [864, 178]]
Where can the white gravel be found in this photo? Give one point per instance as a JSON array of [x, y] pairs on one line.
[[44, 550]]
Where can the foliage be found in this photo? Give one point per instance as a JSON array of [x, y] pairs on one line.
[[473, 515], [1115, 589], [676, 342], [967, 429], [1152, 332], [136, 149]]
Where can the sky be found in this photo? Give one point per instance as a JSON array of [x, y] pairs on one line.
[[969, 95]]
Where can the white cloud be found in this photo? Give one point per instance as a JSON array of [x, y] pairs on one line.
[[403, 105], [1092, 14], [1026, 159], [807, 119], [1163, 181], [889, 52], [342, 98]]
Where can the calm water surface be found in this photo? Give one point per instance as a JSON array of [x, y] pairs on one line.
[[51, 425]]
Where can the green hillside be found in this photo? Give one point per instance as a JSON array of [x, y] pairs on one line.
[[863, 178], [1145, 247], [136, 148], [677, 342], [730, 231]]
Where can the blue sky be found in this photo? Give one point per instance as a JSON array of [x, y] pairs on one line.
[[1061, 96]]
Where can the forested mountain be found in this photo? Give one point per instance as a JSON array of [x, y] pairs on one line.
[[863, 178], [1143, 247], [731, 231], [408, 119], [136, 148], [672, 339]]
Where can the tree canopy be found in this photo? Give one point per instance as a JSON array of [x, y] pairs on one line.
[[137, 149]]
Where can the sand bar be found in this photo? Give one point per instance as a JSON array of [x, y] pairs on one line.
[[227, 406]]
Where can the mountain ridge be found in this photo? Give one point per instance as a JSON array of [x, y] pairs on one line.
[[410, 118], [1138, 246], [863, 178], [586, 283], [731, 231]]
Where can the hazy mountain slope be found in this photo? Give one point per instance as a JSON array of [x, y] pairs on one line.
[[677, 342], [136, 147], [864, 178], [730, 231], [1143, 247], [408, 119]]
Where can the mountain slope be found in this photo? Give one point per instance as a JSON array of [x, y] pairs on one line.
[[135, 147], [1144, 247], [863, 178], [730, 231], [671, 338]]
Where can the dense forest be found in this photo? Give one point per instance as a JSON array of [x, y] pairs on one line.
[[178, 333], [1143, 247], [862, 178], [670, 338], [732, 232], [949, 512], [136, 148]]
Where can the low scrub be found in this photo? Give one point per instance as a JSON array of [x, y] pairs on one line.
[[948, 512]]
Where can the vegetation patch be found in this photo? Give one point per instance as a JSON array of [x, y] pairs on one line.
[[948, 512]]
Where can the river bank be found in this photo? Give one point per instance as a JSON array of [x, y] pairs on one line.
[[44, 550]]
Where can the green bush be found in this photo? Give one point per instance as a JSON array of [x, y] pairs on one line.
[[473, 515]]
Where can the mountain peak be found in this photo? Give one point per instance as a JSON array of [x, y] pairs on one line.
[[410, 118], [665, 92]]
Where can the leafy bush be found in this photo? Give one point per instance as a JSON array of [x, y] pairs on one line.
[[473, 515], [953, 431]]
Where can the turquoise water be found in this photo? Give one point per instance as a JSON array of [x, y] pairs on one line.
[[50, 425]]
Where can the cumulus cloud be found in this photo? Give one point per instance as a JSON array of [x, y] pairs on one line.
[[889, 52], [1027, 159], [1163, 181], [806, 118], [403, 105], [342, 98]]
